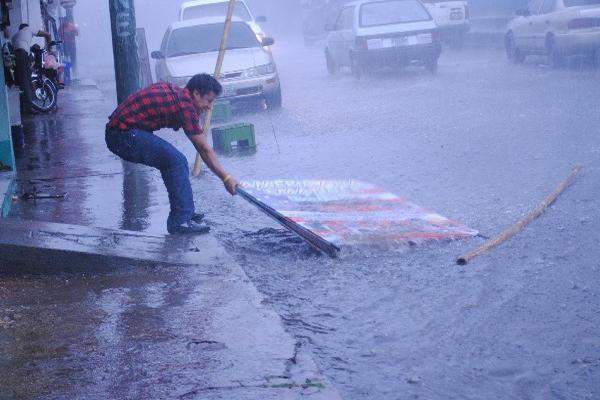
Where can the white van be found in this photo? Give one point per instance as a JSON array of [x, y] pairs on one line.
[[371, 34], [218, 8], [452, 16]]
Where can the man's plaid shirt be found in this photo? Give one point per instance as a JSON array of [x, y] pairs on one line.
[[158, 106]]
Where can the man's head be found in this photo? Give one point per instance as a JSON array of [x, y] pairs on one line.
[[23, 26], [204, 89]]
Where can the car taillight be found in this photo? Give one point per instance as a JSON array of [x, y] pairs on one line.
[[361, 43], [583, 23], [435, 35]]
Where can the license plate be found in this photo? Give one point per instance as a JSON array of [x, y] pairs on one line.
[[400, 41], [456, 15], [405, 41], [374, 44]]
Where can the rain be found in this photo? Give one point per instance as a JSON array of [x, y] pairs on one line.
[[481, 135]]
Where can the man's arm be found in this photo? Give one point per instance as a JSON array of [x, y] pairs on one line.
[[210, 158], [44, 34]]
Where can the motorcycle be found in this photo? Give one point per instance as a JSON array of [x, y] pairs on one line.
[[44, 81]]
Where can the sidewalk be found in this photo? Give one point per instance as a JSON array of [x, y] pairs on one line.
[[101, 313]]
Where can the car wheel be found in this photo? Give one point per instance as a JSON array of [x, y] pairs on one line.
[[555, 58], [512, 51], [332, 67], [273, 99], [431, 65], [356, 67]]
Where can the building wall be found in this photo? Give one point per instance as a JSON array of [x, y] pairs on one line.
[[6, 150], [29, 12]]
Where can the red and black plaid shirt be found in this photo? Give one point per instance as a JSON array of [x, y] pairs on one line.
[[158, 106]]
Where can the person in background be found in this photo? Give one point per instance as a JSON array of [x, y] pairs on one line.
[[163, 105], [68, 33], [22, 43]]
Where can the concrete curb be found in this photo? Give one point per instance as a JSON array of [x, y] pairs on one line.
[[124, 314], [256, 358]]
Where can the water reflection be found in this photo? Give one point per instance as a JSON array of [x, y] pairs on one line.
[[42, 167], [136, 198]]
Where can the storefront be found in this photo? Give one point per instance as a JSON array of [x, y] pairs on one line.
[[7, 157]]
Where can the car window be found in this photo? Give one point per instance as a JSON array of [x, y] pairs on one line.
[[392, 12], [207, 38], [349, 18], [534, 7], [576, 3], [163, 45], [345, 18], [216, 10], [548, 6]]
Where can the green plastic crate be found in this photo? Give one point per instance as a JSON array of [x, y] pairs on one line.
[[226, 136], [221, 112]]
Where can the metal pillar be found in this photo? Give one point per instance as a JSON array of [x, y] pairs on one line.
[[122, 19]]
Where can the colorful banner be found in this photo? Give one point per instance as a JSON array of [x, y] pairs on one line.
[[352, 212]]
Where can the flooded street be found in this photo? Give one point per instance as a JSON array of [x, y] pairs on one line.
[[482, 142]]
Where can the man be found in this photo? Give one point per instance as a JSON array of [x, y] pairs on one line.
[[22, 43], [162, 105]]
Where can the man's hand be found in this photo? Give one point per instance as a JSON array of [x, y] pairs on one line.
[[231, 184], [210, 158]]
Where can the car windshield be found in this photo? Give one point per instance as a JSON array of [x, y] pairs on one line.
[[207, 38], [216, 10], [575, 3], [392, 12]]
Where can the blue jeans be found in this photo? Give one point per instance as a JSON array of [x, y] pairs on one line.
[[138, 146]]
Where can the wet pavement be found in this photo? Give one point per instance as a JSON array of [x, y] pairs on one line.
[[91, 312], [481, 142]]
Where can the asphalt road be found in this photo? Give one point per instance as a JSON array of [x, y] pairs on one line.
[[483, 142]]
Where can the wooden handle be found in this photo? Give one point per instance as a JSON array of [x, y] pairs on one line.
[[519, 226], [198, 163]]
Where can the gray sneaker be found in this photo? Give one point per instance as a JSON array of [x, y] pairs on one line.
[[192, 228]]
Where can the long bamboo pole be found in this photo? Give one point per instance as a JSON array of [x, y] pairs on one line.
[[222, 48], [519, 226]]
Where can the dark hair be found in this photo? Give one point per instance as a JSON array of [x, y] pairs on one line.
[[204, 84], [23, 26]]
